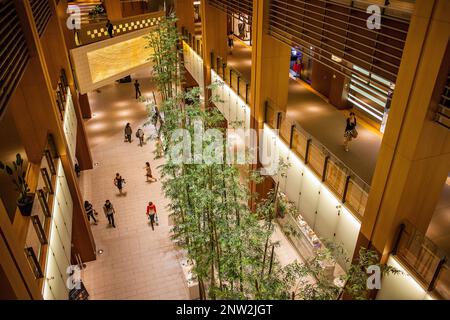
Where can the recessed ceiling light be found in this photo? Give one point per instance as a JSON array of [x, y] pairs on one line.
[[100, 251]]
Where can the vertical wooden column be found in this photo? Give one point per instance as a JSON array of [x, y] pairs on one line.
[[185, 15], [113, 9], [85, 106], [214, 38], [414, 158], [270, 66], [270, 75]]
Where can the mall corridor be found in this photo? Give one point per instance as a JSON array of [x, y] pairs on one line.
[[136, 263]]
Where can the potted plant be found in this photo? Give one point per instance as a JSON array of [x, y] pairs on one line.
[[17, 173]]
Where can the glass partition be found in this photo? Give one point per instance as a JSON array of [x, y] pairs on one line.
[[299, 142], [316, 159], [232, 77], [335, 178], [356, 197], [271, 117], [285, 129]]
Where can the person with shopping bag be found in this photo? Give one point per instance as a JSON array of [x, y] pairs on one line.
[[109, 213], [350, 130], [152, 215]]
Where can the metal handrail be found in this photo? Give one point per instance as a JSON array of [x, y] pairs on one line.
[[215, 65], [407, 228]]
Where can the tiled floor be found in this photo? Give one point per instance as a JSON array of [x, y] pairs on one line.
[[321, 120], [136, 263]]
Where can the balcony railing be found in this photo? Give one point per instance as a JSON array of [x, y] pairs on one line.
[[423, 259], [95, 32], [232, 77], [341, 180], [192, 40], [36, 243]]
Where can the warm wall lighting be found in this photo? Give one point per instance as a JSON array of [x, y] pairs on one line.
[[117, 58]]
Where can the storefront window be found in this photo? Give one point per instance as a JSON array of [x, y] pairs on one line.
[[241, 27], [371, 94], [301, 65]]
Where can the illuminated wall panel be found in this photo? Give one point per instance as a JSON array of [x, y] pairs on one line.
[[231, 105], [347, 230], [327, 215], [294, 179], [309, 197], [70, 126], [194, 65], [401, 287], [101, 63], [59, 253]]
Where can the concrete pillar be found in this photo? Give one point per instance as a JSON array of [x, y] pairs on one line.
[[414, 158]]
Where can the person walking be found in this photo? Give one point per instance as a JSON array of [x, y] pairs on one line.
[[119, 182], [152, 215], [137, 89], [148, 172], [159, 147], [89, 211], [128, 133], [109, 213], [110, 28], [230, 41], [140, 135], [350, 130]]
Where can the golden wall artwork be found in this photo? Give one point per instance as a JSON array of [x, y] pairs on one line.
[[117, 58]]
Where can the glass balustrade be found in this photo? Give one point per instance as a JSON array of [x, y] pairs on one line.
[[423, 259]]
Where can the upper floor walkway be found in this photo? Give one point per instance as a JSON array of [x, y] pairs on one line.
[[320, 119]]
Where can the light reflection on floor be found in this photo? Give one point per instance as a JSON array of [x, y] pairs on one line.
[[114, 106]]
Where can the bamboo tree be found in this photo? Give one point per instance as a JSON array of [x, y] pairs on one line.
[[230, 246]]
